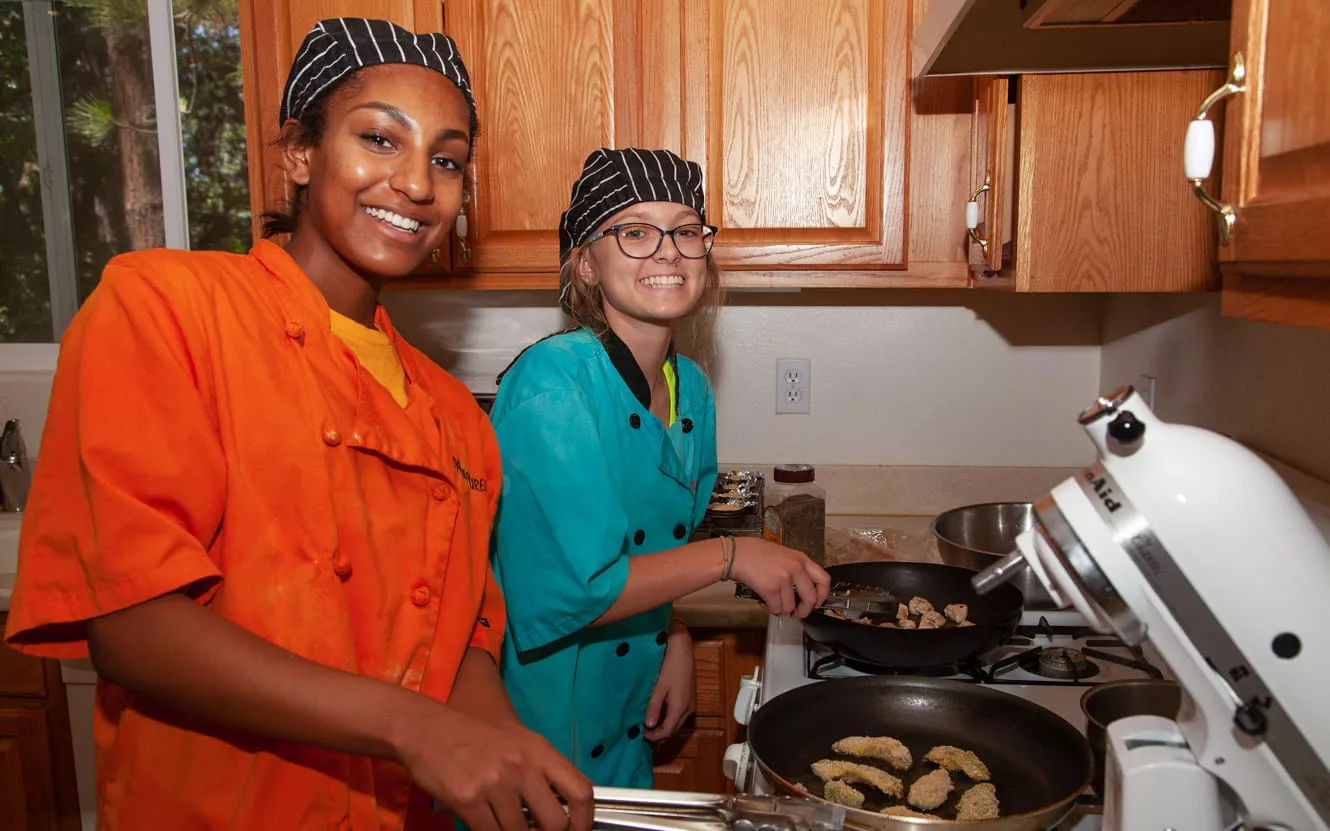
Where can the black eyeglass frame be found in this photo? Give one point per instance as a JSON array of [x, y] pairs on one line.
[[613, 230]]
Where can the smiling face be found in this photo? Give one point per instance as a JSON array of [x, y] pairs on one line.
[[384, 181], [660, 289]]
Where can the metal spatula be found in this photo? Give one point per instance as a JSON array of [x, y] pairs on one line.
[[629, 809], [850, 599]]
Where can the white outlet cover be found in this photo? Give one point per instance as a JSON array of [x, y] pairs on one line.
[[794, 385]]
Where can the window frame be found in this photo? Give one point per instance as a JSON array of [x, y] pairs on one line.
[[48, 112]]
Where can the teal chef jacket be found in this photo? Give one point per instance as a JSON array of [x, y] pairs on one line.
[[591, 478]]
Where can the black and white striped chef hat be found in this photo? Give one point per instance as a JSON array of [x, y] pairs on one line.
[[612, 180], [337, 47]]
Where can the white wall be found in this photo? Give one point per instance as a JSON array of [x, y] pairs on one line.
[[899, 377], [1265, 385]]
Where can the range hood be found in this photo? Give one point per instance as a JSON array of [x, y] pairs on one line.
[[1019, 37]]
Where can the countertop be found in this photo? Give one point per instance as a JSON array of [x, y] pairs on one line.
[[716, 607]]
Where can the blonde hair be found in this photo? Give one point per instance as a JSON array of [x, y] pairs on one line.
[[586, 305]]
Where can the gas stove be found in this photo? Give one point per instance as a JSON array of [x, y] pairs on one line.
[[1050, 660]]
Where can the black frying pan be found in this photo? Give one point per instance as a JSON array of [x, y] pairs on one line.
[[1039, 763], [995, 615]]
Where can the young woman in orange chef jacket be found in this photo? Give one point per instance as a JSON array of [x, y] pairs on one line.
[[267, 517]]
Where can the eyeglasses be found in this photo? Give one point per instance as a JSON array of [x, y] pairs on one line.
[[641, 240]]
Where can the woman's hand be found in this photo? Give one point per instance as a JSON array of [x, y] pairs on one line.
[[674, 696], [786, 580]]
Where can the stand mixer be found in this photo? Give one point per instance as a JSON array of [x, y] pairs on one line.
[[1185, 538]]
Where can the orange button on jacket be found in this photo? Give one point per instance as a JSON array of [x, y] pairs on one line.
[[206, 430]]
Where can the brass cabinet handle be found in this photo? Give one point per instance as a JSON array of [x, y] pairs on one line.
[[461, 227], [1199, 147], [972, 214]]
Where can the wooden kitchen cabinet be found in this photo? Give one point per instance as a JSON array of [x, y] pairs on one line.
[[38, 789], [553, 81], [1276, 164], [801, 120], [801, 123], [692, 759], [989, 161], [1099, 198]]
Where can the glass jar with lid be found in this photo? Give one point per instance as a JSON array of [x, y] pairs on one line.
[[796, 511]]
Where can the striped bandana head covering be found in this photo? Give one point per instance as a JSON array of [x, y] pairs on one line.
[[337, 47], [612, 180]]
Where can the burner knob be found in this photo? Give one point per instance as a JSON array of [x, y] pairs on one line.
[[1250, 718], [1126, 428]]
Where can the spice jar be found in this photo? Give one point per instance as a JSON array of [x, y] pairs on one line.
[[796, 512]]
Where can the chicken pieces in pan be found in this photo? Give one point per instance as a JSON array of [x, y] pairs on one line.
[[932, 620], [926, 797], [906, 811], [918, 606], [979, 802], [842, 794], [889, 750], [955, 759], [852, 772], [930, 790], [919, 613]]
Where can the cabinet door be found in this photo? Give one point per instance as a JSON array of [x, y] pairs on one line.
[[800, 121], [692, 760], [554, 81], [1276, 172], [25, 772], [270, 34], [988, 166], [711, 657], [1277, 141], [1101, 202]]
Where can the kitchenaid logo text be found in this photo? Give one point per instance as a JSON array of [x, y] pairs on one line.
[[1103, 490], [475, 484]]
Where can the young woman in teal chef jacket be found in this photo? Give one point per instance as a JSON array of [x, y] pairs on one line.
[[608, 440]]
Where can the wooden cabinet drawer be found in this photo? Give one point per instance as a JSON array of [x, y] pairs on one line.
[[26, 795], [20, 675], [692, 760], [709, 667]]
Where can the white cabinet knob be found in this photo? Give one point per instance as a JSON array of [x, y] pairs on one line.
[[735, 763], [746, 701]]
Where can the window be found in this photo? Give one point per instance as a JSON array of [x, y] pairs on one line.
[[84, 158]]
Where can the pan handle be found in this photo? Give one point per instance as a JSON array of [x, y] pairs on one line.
[[743, 592], [1002, 571]]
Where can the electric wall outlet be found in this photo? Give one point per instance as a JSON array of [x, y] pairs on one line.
[[794, 385], [1148, 387]]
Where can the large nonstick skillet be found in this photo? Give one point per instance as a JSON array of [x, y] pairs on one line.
[[1039, 763], [995, 616]]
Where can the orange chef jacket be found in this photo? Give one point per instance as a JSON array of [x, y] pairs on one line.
[[207, 432]]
